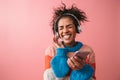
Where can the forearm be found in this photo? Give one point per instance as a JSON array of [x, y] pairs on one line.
[[83, 74], [59, 63]]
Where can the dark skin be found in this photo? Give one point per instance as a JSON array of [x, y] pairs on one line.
[[74, 62], [67, 34]]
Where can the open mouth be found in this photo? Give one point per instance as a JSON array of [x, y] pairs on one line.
[[66, 37]]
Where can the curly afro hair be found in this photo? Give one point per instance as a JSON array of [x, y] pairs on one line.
[[60, 11]]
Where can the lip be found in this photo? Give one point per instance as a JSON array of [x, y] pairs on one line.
[[66, 37]]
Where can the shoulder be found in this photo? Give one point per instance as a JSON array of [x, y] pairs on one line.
[[50, 50], [86, 48], [91, 55]]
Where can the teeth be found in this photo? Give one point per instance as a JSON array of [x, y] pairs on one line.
[[66, 36]]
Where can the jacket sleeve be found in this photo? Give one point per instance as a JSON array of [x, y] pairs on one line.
[[91, 60], [59, 63], [49, 53], [83, 74]]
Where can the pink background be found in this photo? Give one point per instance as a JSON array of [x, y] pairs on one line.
[[25, 33]]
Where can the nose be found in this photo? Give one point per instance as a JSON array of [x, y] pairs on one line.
[[65, 30]]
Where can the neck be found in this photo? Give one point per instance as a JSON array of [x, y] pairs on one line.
[[73, 43]]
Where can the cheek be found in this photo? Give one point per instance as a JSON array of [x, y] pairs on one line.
[[74, 34], [59, 33]]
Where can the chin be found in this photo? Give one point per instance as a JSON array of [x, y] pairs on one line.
[[67, 42]]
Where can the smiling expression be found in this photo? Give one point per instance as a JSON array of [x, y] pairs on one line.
[[67, 31]]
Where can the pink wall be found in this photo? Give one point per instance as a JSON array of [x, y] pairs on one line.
[[25, 33]]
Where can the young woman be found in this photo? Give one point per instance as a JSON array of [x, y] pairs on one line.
[[68, 59]]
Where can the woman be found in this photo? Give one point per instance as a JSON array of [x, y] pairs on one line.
[[61, 59]]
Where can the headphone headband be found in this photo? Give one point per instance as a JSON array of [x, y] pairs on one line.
[[69, 14]]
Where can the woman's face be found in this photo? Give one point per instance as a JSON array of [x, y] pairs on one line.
[[67, 31]]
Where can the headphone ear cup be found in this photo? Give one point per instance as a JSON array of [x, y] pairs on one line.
[[79, 28], [57, 35]]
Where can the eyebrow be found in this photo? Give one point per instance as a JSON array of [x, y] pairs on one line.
[[69, 24], [66, 25]]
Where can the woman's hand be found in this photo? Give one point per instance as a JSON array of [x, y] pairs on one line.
[[58, 42], [75, 63]]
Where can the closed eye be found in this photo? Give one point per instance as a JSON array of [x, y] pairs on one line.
[[60, 27], [69, 26]]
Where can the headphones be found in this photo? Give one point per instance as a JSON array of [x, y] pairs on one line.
[[78, 28]]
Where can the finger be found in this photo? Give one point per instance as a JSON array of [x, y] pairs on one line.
[[73, 60], [58, 42], [55, 39], [81, 61], [61, 44], [76, 63], [56, 45], [78, 59], [71, 64]]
